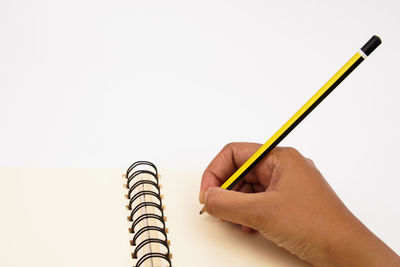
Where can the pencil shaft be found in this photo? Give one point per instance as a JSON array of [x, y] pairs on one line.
[[294, 121]]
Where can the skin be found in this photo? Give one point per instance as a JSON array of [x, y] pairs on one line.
[[287, 200]]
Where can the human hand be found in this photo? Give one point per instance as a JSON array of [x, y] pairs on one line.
[[289, 202]]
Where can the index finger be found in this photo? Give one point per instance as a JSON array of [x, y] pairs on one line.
[[227, 161]]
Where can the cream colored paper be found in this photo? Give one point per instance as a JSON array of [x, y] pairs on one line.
[[77, 217]]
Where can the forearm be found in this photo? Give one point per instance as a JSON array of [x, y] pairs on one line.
[[355, 245]]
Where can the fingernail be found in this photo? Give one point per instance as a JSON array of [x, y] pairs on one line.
[[201, 197]]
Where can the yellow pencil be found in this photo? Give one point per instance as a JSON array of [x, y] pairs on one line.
[[322, 93]]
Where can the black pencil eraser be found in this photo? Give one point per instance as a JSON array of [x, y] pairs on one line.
[[370, 46]]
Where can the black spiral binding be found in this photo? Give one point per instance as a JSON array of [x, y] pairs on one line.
[[132, 183]]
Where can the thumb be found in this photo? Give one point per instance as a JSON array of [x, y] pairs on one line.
[[242, 208]]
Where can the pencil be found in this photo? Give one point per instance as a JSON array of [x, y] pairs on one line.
[[317, 98]]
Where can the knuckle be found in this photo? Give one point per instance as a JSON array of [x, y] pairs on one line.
[[292, 154], [292, 151], [287, 154], [228, 146], [226, 152]]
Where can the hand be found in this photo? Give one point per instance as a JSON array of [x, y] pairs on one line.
[[289, 202]]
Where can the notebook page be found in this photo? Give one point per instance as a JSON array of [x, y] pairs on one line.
[[63, 217], [204, 241], [77, 217]]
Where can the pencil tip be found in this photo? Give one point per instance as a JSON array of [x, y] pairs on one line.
[[202, 210]]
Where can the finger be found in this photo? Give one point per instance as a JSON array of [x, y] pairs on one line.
[[246, 229], [246, 188], [238, 185], [234, 206], [225, 164], [258, 188]]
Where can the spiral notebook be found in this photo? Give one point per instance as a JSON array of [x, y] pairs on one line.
[[139, 217]]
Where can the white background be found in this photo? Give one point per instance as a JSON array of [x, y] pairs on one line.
[[104, 83]]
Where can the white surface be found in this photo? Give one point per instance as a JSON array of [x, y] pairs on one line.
[[104, 83]]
